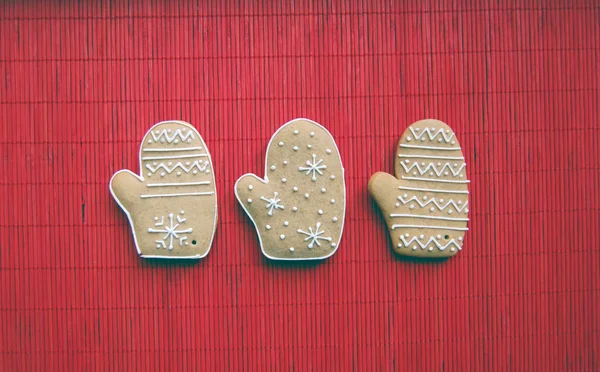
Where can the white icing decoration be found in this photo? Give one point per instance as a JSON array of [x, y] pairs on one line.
[[178, 184], [249, 200], [195, 171], [409, 138], [430, 147], [460, 239], [432, 200], [178, 194], [283, 180], [432, 167], [431, 240], [285, 162], [421, 236], [295, 188], [291, 249], [312, 134], [295, 148], [306, 196], [169, 170], [309, 146], [433, 180], [430, 227], [333, 245], [328, 151], [431, 157], [286, 223], [452, 249], [294, 209], [179, 173], [273, 203], [431, 134], [273, 167], [282, 237], [332, 201], [412, 206], [433, 190], [162, 135], [332, 177], [296, 131], [315, 236], [439, 236], [334, 219], [250, 187], [268, 227], [280, 144], [323, 190], [163, 174], [431, 248], [320, 211], [314, 167], [170, 230], [428, 217]]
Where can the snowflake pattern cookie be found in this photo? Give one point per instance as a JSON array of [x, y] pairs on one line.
[[426, 205], [172, 204], [298, 208]]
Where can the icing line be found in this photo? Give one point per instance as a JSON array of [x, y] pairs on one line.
[[432, 200], [431, 157], [432, 167], [432, 190], [178, 133], [432, 239], [428, 217], [430, 227], [181, 194], [196, 164], [178, 184], [430, 147], [431, 135], [433, 180], [177, 149], [173, 157]]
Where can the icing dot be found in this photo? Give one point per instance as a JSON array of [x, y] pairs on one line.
[[459, 202], [422, 164], [441, 200], [422, 236], [272, 167], [312, 134], [460, 175], [295, 148], [333, 245], [281, 236], [155, 218], [406, 161], [250, 187], [447, 130], [195, 171], [449, 211], [283, 180], [285, 162], [149, 141], [414, 247], [179, 173], [296, 131], [467, 210], [169, 163], [309, 146], [452, 249], [414, 173], [397, 204], [295, 188], [286, 223], [182, 212], [186, 243], [294, 209], [268, 227], [162, 140], [306, 196], [440, 139], [408, 138], [439, 164], [425, 197], [187, 163], [334, 219], [431, 209], [399, 245], [332, 201], [168, 130], [455, 165], [157, 131], [417, 129], [162, 174], [431, 174], [431, 248], [332, 177], [439, 236], [176, 141], [207, 171], [154, 163], [406, 235], [189, 141], [412, 206], [323, 189], [249, 200], [149, 174], [445, 173], [328, 151], [280, 144], [291, 249], [158, 246], [454, 142], [320, 211], [460, 238], [423, 139]]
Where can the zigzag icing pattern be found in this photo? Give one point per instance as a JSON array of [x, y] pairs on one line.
[[433, 167], [432, 239], [432, 200], [447, 137], [196, 164], [170, 138]]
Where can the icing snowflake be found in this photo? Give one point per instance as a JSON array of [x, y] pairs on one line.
[[272, 204], [170, 231], [314, 236], [314, 167]]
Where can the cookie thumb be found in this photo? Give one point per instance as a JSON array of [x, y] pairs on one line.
[[126, 187], [383, 188]]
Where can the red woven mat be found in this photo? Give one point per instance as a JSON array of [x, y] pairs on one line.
[[80, 83]]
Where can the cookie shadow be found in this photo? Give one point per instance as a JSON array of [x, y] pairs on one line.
[[287, 264], [169, 262]]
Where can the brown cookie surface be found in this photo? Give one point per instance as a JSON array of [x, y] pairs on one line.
[[298, 209], [172, 204], [426, 205]]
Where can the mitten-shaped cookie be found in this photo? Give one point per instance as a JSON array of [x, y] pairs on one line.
[[426, 205], [172, 204], [298, 209]]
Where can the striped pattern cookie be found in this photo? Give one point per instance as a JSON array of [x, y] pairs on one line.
[[298, 208], [172, 204], [426, 205]]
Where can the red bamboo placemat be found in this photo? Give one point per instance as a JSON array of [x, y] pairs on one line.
[[81, 82]]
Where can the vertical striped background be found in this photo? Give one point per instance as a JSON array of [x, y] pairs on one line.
[[81, 82]]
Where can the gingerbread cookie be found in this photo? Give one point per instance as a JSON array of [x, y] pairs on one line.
[[426, 205], [172, 204], [298, 208]]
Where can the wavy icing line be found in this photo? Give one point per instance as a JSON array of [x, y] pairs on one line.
[[431, 135], [432, 200], [196, 164], [432, 239], [170, 138], [433, 167]]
